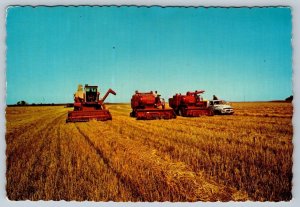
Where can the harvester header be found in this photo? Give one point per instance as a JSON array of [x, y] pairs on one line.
[[191, 104], [149, 105], [88, 105]]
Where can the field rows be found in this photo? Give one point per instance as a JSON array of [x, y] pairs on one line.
[[247, 156]]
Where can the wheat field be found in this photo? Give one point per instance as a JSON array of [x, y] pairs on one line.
[[246, 156]]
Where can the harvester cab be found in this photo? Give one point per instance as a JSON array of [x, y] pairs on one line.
[[88, 105], [190, 105], [92, 94], [159, 102], [149, 105]]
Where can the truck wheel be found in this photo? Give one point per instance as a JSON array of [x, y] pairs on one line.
[[211, 112]]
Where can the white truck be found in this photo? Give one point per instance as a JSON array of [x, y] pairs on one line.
[[221, 107]]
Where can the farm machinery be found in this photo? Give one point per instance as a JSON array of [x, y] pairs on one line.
[[149, 105], [88, 105], [190, 105]]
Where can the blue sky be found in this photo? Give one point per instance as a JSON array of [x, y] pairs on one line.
[[235, 53]]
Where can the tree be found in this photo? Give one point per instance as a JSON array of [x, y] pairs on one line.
[[289, 99], [22, 103]]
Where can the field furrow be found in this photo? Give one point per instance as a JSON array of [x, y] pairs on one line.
[[25, 158], [144, 165]]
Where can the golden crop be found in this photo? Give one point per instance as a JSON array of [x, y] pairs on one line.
[[246, 156]]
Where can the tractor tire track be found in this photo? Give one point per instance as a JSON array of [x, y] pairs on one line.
[[32, 174], [125, 182], [11, 153], [15, 139], [26, 190], [179, 141], [159, 161], [160, 145], [25, 126], [58, 173]]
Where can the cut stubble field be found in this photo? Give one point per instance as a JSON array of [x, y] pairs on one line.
[[246, 156]]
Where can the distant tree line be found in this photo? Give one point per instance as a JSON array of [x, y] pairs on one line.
[[24, 103], [43, 104]]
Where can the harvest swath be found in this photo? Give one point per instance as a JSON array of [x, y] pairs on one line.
[[244, 156]]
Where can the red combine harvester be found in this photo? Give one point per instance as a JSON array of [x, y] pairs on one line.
[[191, 105], [88, 106], [148, 106]]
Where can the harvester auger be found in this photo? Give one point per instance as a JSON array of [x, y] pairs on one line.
[[149, 105], [88, 106], [190, 105]]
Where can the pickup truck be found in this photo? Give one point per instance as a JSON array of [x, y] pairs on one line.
[[221, 107]]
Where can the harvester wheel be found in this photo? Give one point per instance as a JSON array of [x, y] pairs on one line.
[[180, 112], [132, 114]]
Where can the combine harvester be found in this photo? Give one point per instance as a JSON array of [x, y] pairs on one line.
[[190, 105], [88, 106], [149, 106]]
